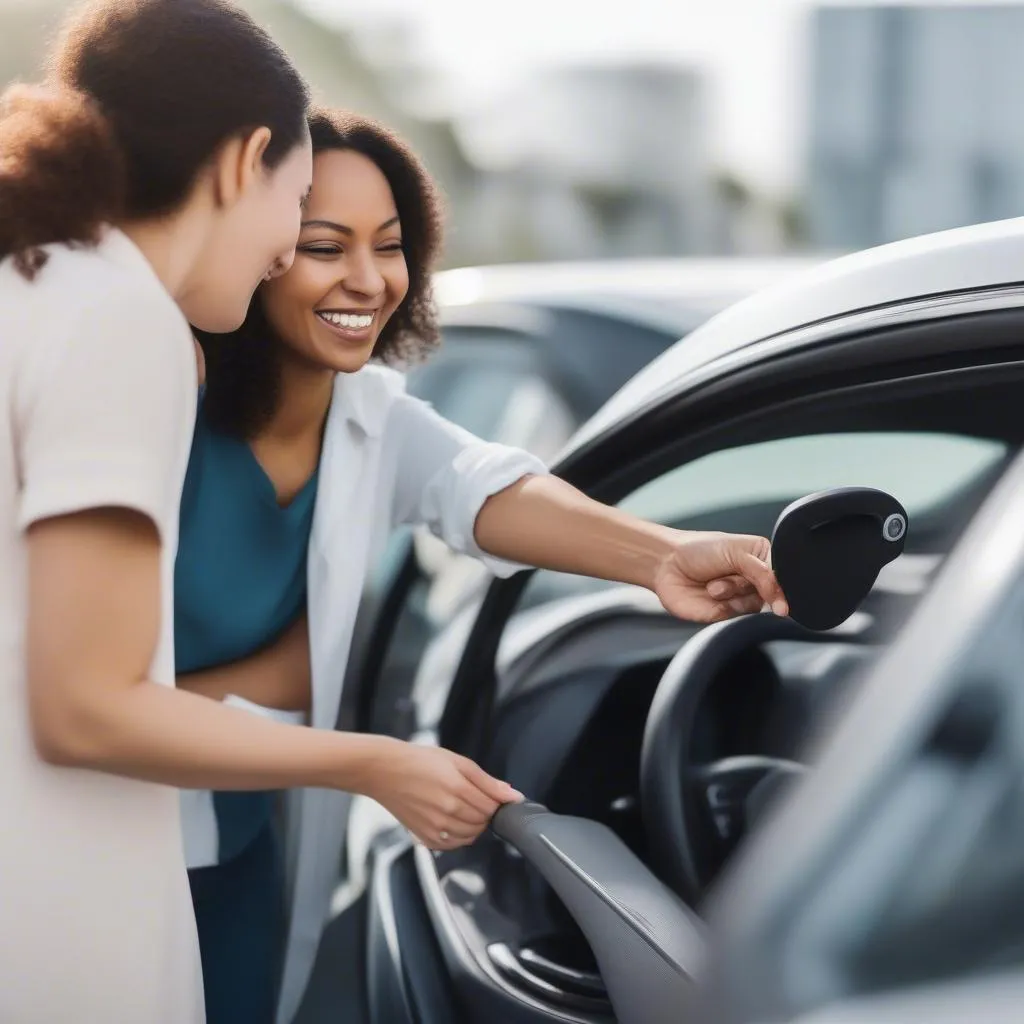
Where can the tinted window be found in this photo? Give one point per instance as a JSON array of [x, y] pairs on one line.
[[921, 470], [473, 378], [743, 489]]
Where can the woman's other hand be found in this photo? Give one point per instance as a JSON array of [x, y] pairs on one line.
[[443, 799], [708, 577]]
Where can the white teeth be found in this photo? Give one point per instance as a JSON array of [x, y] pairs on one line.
[[351, 321]]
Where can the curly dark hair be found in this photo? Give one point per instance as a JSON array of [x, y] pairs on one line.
[[243, 367]]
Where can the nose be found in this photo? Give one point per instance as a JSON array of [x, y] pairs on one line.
[[362, 276]]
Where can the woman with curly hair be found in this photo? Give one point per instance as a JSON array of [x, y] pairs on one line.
[[307, 452]]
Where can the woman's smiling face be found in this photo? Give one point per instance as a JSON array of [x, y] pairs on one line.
[[349, 274]]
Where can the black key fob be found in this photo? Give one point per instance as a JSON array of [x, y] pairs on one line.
[[828, 549]]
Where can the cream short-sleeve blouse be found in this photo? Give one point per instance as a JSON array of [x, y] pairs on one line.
[[98, 380]]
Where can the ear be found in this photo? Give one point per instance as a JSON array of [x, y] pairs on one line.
[[239, 165]]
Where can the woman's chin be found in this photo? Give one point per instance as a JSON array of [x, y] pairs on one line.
[[352, 360]]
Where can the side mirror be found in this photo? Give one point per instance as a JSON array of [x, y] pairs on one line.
[[828, 549]]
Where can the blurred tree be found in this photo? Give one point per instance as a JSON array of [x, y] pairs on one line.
[[731, 191], [793, 221]]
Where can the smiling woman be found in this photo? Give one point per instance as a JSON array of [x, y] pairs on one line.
[[307, 453], [359, 287], [370, 237]]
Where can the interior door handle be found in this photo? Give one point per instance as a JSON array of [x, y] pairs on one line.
[[647, 942]]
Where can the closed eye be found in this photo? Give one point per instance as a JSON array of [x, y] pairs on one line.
[[320, 250]]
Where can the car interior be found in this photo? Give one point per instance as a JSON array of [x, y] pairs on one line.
[[665, 743], [901, 900]]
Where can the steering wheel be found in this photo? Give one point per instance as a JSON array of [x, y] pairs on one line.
[[695, 813]]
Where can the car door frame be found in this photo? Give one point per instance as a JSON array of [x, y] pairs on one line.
[[762, 364], [843, 345]]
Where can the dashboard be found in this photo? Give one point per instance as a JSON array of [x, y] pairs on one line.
[[570, 725], [569, 729]]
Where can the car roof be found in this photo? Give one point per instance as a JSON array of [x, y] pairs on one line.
[[961, 260], [685, 287]]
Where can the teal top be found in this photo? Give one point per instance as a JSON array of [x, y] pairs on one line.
[[239, 581]]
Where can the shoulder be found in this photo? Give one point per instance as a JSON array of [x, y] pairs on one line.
[[103, 312], [111, 280], [106, 299], [112, 296]]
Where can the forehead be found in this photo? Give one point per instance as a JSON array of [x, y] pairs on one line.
[[349, 188], [296, 170]]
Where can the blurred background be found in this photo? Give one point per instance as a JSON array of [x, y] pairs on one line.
[[569, 130]]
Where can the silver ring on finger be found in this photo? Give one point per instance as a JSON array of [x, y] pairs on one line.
[[443, 836]]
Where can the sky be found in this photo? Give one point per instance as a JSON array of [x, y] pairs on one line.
[[753, 52]]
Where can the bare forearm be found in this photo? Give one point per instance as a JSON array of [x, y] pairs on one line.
[[546, 522], [160, 734]]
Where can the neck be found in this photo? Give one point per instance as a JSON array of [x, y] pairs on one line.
[[303, 402], [171, 245]]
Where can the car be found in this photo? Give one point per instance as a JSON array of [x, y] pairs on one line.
[[900, 901], [530, 351], [666, 764]]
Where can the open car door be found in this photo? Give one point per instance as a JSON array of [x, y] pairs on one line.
[[903, 898]]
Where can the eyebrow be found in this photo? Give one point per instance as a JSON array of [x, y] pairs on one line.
[[341, 229]]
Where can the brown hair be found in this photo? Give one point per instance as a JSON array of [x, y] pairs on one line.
[[243, 367], [139, 96]]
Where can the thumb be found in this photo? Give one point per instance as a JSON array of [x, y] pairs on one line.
[[764, 581]]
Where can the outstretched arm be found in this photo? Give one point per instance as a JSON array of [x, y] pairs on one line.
[[543, 521], [492, 501], [93, 625]]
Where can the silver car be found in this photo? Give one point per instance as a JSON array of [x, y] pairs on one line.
[[748, 822]]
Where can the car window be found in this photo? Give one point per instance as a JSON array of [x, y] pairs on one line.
[[474, 397], [921, 470], [743, 489], [474, 378]]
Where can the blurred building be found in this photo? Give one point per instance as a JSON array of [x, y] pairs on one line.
[[581, 162], [334, 65], [914, 122], [594, 161]]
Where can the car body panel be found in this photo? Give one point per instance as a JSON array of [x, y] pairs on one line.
[[982, 258]]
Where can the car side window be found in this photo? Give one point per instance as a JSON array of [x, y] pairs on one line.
[[743, 489], [475, 378], [922, 470]]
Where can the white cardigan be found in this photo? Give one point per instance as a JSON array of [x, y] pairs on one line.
[[388, 459]]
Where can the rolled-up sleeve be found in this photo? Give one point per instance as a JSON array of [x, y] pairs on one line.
[[445, 475]]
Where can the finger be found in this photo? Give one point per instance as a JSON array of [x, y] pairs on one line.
[[476, 805], [764, 580], [719, 611], [726, 587], [442, 835], [500, 792], [455, 833], [460, 810], [458, 799], [748, 605]]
